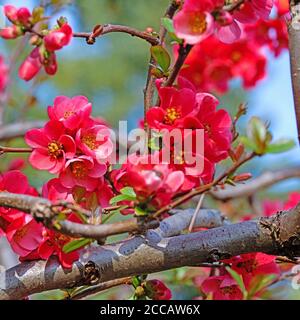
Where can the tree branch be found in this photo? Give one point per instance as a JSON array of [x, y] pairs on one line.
[[44, 211], [109, 28], [14, 150], [267, 179], [279, 235], [16, 130], [182, 55], [294, 45]]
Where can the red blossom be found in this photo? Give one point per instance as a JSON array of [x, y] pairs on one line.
[[58, 38], [157, 290], [83, 172], [253, 264], [71, 112], [222, 288], [51, 147]]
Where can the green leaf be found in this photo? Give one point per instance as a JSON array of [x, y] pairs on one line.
[[76, 244], [281, 145], [260, 282], [140, 212], [128, 191], [136, 281], [239, 280], [162, 57], [258, 133], [168, 24], [37, 14]]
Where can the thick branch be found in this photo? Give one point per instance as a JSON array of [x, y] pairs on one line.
[[294, 45], [279, 235], [266, 180]]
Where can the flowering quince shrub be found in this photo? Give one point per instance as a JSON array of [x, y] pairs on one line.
[[188, 134]]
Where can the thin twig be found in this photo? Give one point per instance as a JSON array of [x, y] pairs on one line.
[[182, 55], [14, 150], [200, 202], [109, 28], [99, 288]]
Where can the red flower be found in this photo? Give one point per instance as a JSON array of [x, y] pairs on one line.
[[222, 288], [253, 264], [293, 200], [83, 172], [212, 64], [24, 234], [157, 182], [54, 190], [95, 142], [51, 147], [175, 105], [283, 6], [58, 38], [72, 112], [217, 125], [157, 290]]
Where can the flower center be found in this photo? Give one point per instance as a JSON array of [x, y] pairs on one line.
[[229, 290], [172, 115], [236, 56], [248, 265], [90, 141], [55, 149], [79, 170], [68, 114], [198, 23]]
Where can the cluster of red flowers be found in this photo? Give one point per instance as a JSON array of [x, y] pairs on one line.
[[3, 75], [28, 238], [249, 266], [74, 146], [199, 19], [46, 43], [180, 108], [236, 49]]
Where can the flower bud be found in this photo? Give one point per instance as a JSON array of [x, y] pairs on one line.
[[11, 32], [57, 39], [24, 16], [11, 13], [51, 66], [31, 66], [242, 177]]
